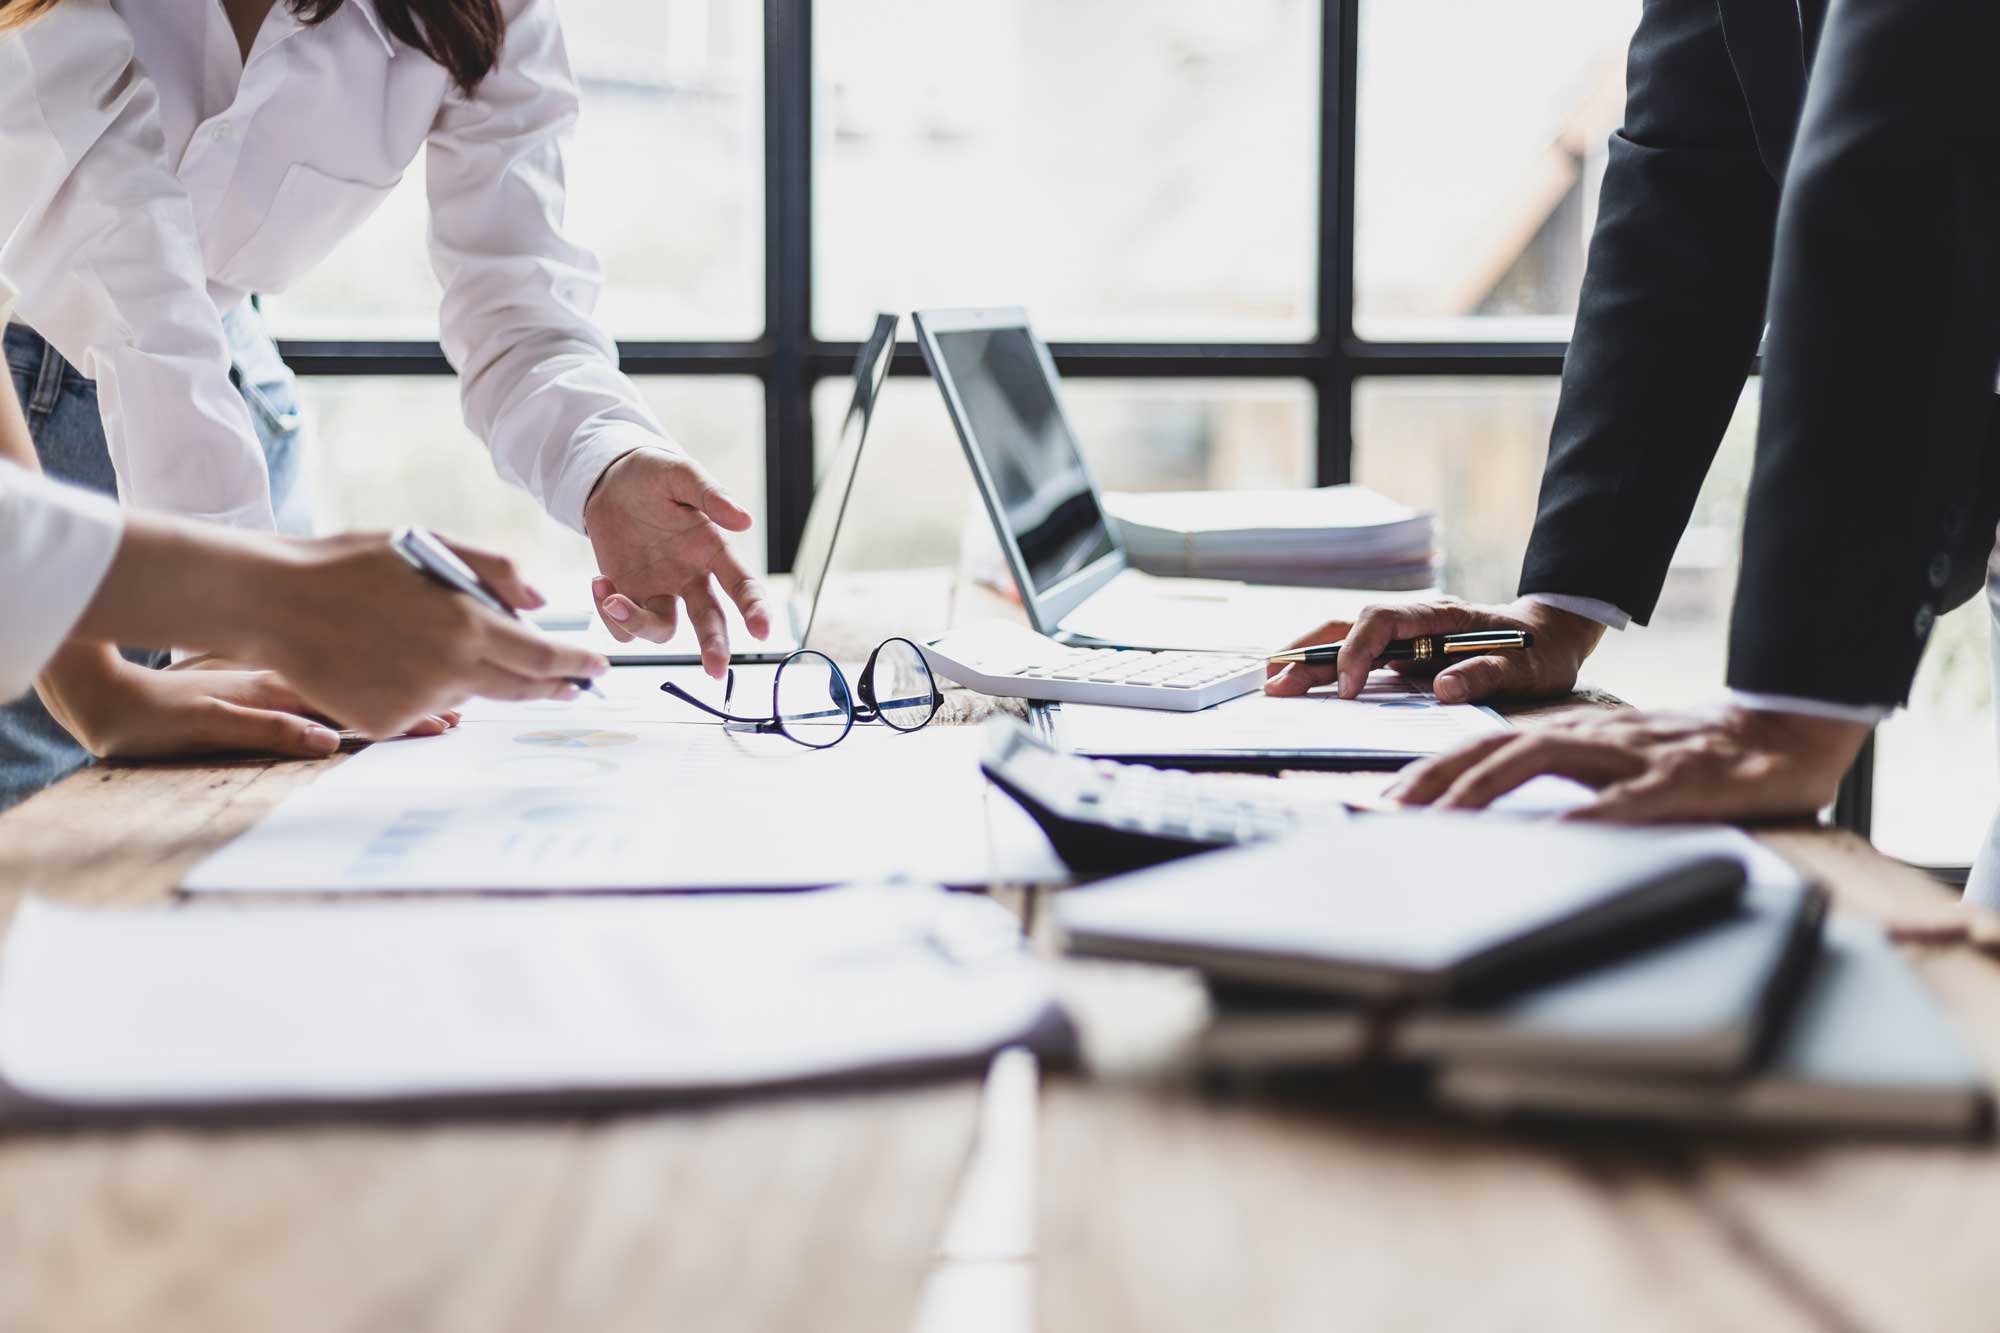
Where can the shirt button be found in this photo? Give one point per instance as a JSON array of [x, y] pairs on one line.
[[1925, 619], [1940, 569]]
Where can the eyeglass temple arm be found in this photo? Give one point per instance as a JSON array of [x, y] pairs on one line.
[[711, 709]]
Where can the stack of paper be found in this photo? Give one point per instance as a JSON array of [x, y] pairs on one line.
[[503, 1004], [1336, 536]]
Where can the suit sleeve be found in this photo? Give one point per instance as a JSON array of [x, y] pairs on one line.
[[1879, 371], [1668, 323]]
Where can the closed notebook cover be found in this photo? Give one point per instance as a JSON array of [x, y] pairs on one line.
[[1706, 1001], [1868, 1047], [1404, 905]]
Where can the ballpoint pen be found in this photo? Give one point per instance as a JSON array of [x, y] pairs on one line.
[[1425, 648], [439, 563]]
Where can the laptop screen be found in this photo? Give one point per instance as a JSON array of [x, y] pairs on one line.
[[871, 370], [1011, 415]]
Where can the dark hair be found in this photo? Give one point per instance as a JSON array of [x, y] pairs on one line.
[[462, 35]]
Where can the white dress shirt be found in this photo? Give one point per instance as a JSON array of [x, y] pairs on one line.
[[56, 542], [190, 178]]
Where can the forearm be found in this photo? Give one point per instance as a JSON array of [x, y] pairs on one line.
[[174, 583]]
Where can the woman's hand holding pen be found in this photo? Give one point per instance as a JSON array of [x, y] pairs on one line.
[[1561, 643], [356, 633], [657, 522], [375, 644]]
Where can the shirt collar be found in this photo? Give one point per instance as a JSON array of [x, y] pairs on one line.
[[367, 8]]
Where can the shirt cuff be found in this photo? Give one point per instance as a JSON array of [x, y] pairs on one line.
[[57, 543], [1866, 714], [1604, 613], [586, 465]]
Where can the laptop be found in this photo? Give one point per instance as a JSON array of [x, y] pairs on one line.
[[816, 543], [1075, 582]]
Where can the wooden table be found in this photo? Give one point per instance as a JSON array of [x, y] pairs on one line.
[[1153, 1208]]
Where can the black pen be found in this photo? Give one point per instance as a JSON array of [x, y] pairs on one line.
[[1427, 648], [439, 563]]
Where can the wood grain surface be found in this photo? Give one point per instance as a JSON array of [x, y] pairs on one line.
[[1159, 1207]]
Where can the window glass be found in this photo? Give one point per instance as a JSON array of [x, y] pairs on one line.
[[1936, 784], [665, 177], [1481, 141], [914, 502], [1124, 168], [1472, 451], [384, 453]]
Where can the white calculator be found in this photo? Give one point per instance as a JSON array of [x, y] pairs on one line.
[[1015, 662]]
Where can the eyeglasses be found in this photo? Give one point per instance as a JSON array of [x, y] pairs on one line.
[[812, 704]]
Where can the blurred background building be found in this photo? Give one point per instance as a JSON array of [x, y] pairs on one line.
[[1135, 172]]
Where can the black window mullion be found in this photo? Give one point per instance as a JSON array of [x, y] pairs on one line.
[[1339, 33], [788, 172]]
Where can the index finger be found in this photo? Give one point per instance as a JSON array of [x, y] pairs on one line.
[[1330, 632], [1377, 626], [746, 590], [519, 649]]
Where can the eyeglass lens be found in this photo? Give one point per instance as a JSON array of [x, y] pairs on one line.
[[812, 704], [900, 685]]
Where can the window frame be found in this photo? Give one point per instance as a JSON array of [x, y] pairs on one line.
[[790, 361]]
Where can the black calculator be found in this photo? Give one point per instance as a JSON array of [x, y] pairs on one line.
[[1104, 817]]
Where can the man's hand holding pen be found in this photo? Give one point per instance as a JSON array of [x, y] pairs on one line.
[[1561, 642], [1728, 763]]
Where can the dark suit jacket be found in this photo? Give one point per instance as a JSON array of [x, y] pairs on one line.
[[1875, 495]]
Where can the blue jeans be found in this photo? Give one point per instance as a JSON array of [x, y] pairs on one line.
[[61, 405]]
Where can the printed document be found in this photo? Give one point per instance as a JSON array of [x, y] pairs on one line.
[[597, 803], [356, 1002]]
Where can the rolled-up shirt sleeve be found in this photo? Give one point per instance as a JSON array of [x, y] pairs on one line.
[[56, 542], [100, 239], [538, 378]]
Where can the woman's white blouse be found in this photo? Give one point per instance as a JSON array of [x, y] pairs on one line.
[[56, 542], [176, 178]]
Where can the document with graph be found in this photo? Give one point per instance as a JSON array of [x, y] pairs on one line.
[[600, 803]]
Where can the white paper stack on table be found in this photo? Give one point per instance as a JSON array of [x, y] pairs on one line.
[[1335, 537], [522, 1004]]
